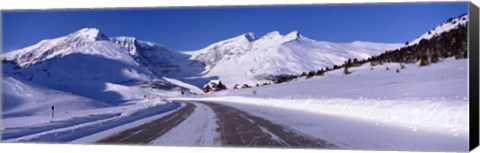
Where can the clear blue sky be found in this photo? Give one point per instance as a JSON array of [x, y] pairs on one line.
[[195, 28]]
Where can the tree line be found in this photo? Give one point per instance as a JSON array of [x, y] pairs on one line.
[[427, 51]]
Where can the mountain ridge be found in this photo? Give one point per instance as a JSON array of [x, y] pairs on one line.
[[246, 49], [243, 58]]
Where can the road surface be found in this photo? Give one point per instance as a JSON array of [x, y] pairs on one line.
[[239, 128], [148, 132], [236, 128]]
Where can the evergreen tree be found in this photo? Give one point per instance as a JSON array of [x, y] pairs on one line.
[[303, 74], [345, 70], [424, 60], [310, 74], [320, 72]]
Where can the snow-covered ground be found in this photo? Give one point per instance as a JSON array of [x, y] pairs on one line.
[[21, 98], [86, 126], [419, 108], [26, 111]]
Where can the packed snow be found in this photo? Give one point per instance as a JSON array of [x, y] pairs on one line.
[[197, 130]]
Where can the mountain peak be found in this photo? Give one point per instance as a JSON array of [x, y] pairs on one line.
[[294, 35], [89, 29], [273, 34], [92, 34], [295, 32], [250, 36]]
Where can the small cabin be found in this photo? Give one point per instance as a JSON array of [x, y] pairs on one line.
[[214, 85], [238, 86]]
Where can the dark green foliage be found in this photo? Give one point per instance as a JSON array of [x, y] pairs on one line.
[[424, 61], [311, 74], [345, 70], [445, 45], [335, 67], [320, 72], [303, 74]]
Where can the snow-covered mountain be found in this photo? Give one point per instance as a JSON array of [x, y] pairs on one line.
[[242, 59], [229, 48], [50, 48], [448, 25], [154, 56], [247, 58], [86, 54], [89, 64]]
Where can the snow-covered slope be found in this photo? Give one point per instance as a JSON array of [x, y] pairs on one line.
[[225, 49], [444, 27], [246, 58], [93, 61], [430, 98], [22, 98], [88, 64], [154, 56], [50, 48]]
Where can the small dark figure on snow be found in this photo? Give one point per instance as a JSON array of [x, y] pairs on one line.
[[53, 111]]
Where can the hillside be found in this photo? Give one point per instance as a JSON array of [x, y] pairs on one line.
[[86, 63], [250, 59]]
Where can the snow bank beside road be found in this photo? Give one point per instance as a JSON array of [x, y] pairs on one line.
[[355, 134], [436, 115]]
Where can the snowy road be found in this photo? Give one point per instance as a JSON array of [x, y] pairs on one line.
[[150, 131], [239, 128], [234, 127]]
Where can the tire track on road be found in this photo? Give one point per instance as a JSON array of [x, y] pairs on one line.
[[147, 132], [239, 128]]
